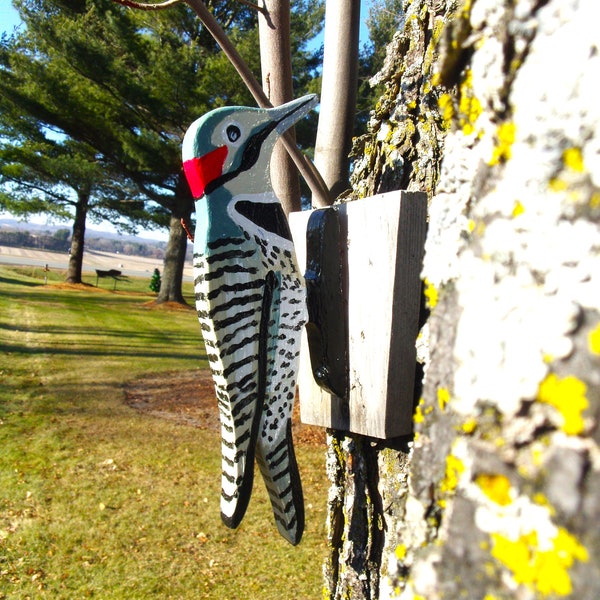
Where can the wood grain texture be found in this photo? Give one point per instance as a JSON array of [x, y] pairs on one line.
[[384, 237]]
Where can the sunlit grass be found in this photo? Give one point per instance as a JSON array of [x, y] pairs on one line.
[[99, 500]]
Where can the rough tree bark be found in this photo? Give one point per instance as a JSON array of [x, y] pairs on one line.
[[490, 108], [173, 264], [74, 267]]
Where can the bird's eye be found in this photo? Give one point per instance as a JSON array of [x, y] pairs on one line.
[[233, 133]]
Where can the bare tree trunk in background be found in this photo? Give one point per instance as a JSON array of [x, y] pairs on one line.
[[490, 109], [338, 94], [276, 67], [78, 238], [174, 262]]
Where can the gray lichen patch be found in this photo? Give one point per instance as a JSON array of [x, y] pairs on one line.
[[490, 107], [511, 236]]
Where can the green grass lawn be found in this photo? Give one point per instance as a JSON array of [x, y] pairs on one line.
[[99, 500]]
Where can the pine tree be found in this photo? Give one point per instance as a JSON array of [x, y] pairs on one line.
[[128, 84], [155, 281]]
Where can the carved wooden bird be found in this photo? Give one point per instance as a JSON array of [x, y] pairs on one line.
[[250, 300]]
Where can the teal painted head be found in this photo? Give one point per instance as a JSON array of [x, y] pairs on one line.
[[232, 141]]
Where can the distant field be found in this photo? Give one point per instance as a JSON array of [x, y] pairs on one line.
[[138, 266], [100, 500]]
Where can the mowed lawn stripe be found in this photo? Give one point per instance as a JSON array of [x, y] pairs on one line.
[[99, 500]]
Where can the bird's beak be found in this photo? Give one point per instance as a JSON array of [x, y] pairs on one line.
[[200, 171], [291, 112]]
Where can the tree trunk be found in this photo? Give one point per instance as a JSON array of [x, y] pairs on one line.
[[489, 108], [276, 67], [78, 238], [172, 275], [174, 262], [338, 94]]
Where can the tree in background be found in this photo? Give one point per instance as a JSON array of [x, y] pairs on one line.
[[155, 281], [128, 84], [384, 19], [338, 95], [281, 75], [65, 179]]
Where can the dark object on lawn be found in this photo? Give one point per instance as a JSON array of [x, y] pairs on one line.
[[114, 273]]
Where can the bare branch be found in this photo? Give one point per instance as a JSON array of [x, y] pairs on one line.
[[148, 6], [253, 5]]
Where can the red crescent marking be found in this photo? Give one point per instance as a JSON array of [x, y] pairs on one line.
[[200, 171]]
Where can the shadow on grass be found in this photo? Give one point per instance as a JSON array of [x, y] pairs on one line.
[[90, 332], [80, 340], [11, 281], [115, 342], [107, 351], [93, 325]]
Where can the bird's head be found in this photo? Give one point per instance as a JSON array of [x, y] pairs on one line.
[[229, 141]]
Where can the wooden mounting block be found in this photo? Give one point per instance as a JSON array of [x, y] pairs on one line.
[[381, 245]]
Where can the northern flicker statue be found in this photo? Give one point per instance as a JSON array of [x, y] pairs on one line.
[[250, 300]]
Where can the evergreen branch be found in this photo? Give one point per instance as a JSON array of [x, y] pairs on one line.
[[307, 169], [254, 6], [39, 188]]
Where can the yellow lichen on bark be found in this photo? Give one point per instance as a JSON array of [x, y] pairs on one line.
[[446, 107], [469, 107], [518, 209], [567, 395], [443, 397], [544, 570], [506, 137], [400, 551], [573, 160], [495, 487], [431, 294], [419, 417], [594, 340], [469, 426], [454, 469]]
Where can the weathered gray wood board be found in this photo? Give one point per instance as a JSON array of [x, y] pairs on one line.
[[383, 251]]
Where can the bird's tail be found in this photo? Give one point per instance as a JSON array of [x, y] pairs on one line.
[[237, 458], [278, 466]]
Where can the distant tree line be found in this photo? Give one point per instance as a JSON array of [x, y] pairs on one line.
[[60, 241]]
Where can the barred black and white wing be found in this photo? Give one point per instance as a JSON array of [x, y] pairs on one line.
[[275, 451], [232, 300]]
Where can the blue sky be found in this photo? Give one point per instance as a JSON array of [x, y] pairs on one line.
[[8, 16]]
